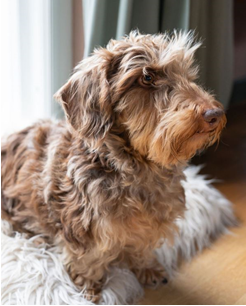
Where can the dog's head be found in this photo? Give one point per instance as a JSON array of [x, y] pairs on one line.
[[144, 86]]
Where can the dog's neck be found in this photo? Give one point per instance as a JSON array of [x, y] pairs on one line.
[[116, 154]]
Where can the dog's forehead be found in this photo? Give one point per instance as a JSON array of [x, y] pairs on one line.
[[159, 49], [140, 44]]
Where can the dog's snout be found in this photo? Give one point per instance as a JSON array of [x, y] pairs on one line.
[[212, 116]]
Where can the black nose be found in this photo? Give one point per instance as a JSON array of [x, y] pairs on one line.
[[213, 115]]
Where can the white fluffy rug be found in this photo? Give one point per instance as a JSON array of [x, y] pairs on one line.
[[33, 274]]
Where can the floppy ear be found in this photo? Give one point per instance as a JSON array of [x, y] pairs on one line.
[[86, 97]]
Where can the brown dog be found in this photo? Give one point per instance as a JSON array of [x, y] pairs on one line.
[[106, 184]]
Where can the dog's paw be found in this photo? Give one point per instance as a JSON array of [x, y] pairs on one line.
[[90, 290], [92, 295], [152, 277]]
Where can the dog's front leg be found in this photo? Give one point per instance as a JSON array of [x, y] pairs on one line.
[[87, 272], [148, 270]]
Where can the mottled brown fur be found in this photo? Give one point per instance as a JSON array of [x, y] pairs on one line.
[[106, 184]]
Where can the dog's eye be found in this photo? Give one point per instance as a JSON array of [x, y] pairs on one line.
[[148, 78]]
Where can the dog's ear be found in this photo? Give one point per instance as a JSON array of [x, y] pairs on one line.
[[86, 97]]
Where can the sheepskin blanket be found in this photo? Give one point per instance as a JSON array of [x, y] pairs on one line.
[[32, 273]]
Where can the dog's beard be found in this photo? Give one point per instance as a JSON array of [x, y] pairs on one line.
[[179, 136]]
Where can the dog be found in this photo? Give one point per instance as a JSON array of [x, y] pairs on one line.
[[106, 183]]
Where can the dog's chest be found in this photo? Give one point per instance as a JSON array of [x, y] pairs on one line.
[[126, 208], [137, 213], [159, 196]]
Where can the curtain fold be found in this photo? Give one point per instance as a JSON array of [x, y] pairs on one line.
[[100, 22], [26, 47], [124, 18], [211, 20], [175, 15], [37, 59]]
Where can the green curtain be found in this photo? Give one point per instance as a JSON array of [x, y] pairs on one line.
[[211, 19]]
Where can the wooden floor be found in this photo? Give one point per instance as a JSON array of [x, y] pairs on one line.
[[218, 275]]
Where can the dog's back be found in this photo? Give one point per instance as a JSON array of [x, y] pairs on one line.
[[12, 159], [23, 167]]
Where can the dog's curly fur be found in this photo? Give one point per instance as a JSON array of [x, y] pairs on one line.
[[106, 184]]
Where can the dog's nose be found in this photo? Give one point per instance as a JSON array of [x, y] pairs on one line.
[[213, 116]]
